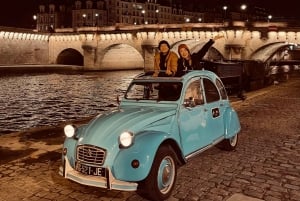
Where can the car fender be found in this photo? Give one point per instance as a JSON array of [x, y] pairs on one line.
[[232, 123], [144, 149], [70, 145]]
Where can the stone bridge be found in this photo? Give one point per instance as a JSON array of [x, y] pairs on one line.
[[133, 47]]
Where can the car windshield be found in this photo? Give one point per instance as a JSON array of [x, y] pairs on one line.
[[158, 91]]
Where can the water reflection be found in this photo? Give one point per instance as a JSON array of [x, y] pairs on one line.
[[49, 99]]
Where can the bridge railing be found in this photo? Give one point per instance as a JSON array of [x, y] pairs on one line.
[[172, 27]]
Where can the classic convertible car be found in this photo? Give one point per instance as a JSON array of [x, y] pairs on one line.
[[161, 123]]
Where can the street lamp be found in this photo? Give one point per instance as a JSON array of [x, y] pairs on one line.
[[225, 9], [157, 15], [34, 17], [243, 8], [84, 19], [143, 13], [269, 18], [97, 19]]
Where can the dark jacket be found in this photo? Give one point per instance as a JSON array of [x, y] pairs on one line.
[[183, 65]]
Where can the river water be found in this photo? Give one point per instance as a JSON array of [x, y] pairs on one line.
[[36, 100]]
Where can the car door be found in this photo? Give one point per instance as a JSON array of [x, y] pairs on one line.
[[192, 118], [200, 117], [214, 110]]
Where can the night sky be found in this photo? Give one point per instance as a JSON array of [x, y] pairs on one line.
[[18, 13], [287, 8]]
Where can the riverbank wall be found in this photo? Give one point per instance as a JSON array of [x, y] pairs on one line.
[[34, 68]]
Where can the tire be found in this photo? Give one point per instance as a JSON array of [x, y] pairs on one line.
[[162, 177], [229, 144]]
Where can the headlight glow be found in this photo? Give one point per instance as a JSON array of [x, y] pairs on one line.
[[69, 130], [126, 139]]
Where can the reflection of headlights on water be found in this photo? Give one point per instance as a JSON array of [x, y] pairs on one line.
[[69, 130], [126, 139]]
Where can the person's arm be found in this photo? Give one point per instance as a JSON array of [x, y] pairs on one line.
[[156, 65], [201, 53], [172, 64]]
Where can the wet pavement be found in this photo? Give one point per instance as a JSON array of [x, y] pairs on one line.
[[265, 165]]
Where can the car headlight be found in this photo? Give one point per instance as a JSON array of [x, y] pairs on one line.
[[126, 139], [69, 130]]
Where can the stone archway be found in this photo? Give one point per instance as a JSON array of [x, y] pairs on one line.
[[119, 57], [70, 56]]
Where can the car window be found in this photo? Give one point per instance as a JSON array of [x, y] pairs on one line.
[[211, 92], [221, 89], [193, 94], [163, 91]]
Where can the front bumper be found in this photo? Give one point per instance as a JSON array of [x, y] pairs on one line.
[[108, 182]]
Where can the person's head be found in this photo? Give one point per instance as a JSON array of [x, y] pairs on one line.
[[164, 47], [184, 51]]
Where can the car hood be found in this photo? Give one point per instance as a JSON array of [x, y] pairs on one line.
[[105, 129]]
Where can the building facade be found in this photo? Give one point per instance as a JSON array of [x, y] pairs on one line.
[[97, 13]]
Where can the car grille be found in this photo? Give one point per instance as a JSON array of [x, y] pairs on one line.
[[90, 154]]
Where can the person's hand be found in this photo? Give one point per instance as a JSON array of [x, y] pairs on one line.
[[168, 72], [218, 37]]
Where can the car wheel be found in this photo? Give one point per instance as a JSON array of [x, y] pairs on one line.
[[162, 177], [229, 144]]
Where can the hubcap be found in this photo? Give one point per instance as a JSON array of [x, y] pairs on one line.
[[166, 174]]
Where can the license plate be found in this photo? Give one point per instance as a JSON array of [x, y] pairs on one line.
[[90, 170]]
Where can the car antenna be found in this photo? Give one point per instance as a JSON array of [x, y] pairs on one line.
[[118, 101]]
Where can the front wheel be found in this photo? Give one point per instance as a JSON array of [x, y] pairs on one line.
[[162, 177], [229, 144]]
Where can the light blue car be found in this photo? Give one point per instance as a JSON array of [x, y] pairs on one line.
[[161, 123]]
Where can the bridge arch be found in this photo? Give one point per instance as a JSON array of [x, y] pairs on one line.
[[119, 56], [70, 56], [271, 51], [104, 49]]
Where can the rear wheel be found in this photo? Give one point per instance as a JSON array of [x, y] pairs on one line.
[[229, 144], [162, 177]]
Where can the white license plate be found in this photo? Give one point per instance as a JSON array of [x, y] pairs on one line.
[[90, 170]]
